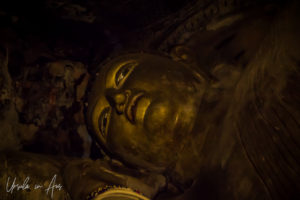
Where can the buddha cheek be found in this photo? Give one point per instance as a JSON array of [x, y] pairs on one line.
[[159, 118]]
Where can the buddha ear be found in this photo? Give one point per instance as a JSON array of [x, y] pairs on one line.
[[182, 53]]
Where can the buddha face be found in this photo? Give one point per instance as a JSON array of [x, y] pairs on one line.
[[142, 107]]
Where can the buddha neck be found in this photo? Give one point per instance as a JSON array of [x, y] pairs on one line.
[[211, 140], [212, 153], [201, 147]]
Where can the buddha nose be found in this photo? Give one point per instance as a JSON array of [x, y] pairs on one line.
[[118, 99]]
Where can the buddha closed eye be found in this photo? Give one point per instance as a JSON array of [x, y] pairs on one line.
[[142, 106], [104, 121], [124, 72]]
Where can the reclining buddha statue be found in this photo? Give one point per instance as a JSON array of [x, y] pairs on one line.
[[214, 116]]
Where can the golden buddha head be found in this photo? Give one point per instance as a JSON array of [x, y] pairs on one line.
[[142, 106]]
